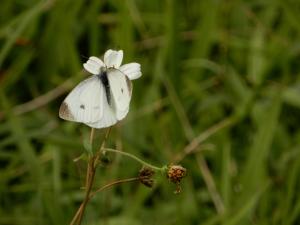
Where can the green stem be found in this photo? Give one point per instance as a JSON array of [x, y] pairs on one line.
[[135, 158]]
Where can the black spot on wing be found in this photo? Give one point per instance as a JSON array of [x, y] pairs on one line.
[[82, 106]]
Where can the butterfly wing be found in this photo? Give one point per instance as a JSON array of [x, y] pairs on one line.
[[108, 117], [107, 120], [120, 88], [84, 103]]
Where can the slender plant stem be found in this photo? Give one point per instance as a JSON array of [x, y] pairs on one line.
[[90, 177], [92, 136], [114, 183], [76, 215], [99, 190], [135, 158], [88, 189], [100, 151]]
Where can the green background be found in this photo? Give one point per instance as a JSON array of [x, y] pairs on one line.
[[220, 81]]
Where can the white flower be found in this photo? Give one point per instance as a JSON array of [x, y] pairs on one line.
[[113, 59]]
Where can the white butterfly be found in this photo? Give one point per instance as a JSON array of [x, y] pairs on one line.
[[102, 99]]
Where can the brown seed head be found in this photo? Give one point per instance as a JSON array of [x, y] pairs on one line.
[[176, 173]]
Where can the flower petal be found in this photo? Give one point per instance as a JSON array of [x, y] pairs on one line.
[[93, 65], [96, 60], [131, 70], [113, 58]]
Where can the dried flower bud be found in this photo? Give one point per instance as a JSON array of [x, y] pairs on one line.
[[175, 174], [145, 177]]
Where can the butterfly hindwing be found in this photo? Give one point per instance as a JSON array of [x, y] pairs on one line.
[[108, 119]]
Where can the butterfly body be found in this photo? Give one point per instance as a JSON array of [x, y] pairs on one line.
[[103, 78]]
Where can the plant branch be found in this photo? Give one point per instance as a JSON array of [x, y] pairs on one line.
[[100, 151], [135, 158], [99, 190], [90, 177], [114, 183]]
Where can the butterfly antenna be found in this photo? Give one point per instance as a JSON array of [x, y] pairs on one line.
[[84, 57]]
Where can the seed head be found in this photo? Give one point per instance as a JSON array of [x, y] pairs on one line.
[[175, 174], [145, 177]]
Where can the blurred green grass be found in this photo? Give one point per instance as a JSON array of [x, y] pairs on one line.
[[225, 70]]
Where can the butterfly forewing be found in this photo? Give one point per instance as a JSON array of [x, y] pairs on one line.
[[84, 103]]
